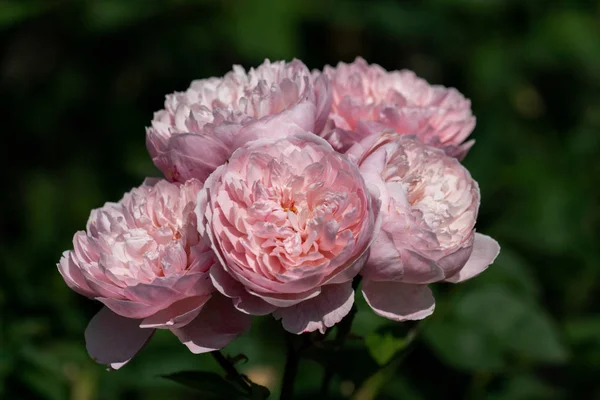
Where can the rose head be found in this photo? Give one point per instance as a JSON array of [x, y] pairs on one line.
[[200, 128], [291, 221], [429, 206], [144, 259], [368, 99]]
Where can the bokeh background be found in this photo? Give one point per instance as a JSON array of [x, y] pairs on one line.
[[79, 81]]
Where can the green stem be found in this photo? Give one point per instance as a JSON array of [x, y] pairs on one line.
[[291, 368], [343, 330]]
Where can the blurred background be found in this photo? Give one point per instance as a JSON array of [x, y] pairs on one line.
[[79, 81]]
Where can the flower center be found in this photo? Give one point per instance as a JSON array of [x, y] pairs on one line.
[[289, 205]]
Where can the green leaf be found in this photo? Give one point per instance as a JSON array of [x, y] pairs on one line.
[[487, 325], [385, 343], [517, 325], [513, 272], [209, 385], [463, 347], [525, 388]]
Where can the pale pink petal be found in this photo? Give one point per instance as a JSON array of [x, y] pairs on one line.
[[485, 251], [192, 156], [155, 294], [130, 309], [322, 88], [399, 301], [224, 283], [113, 340], [286, 299], [253, 305], [319, 313], [217, 324], [384, 262], [298, 119], [419, 269], [73, 276], [177, 314], [453, 262]]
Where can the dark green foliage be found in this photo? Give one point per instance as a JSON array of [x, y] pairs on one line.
[[80, 80]]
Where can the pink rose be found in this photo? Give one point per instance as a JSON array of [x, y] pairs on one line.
[[200, 128], [368, 99], [144, 259], [429, 206], [291, 222]]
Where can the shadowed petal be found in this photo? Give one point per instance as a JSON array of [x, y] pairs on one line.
[[399, 301], [113, 340], [177, 315], [217, 324], [319, 313]]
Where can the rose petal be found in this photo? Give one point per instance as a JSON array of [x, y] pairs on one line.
[[485, 251], [73, 276], [177, 315], [113, 340], [419, 269], [399, 301], [192, 156], [129, 309], [217, 324], [384, 263], [298, 119], [319, 313]]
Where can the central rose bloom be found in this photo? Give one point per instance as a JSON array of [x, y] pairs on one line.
[[291, 221]]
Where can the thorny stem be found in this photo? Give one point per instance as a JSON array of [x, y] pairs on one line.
[[232, 372]]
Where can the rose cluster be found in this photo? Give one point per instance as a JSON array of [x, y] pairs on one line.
[[281, 188]]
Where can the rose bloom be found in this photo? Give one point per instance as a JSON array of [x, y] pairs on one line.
[[291, 222], [144, 259], [368, 99], [200, 128], [429, 206]]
